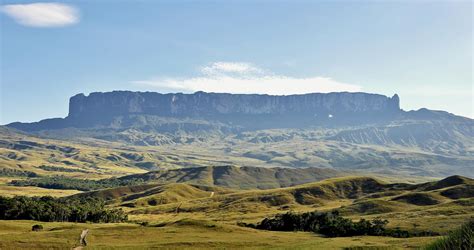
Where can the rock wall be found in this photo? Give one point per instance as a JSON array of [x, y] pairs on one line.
[[201, 104], [156, 111]]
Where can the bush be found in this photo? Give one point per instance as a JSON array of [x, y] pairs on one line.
[[37, 228]]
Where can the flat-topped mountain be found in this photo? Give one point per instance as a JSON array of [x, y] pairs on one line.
[[201, 104], [206, 111]]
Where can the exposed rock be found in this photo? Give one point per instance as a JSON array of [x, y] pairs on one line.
[[121, 109], [205, 104], [113, 115]]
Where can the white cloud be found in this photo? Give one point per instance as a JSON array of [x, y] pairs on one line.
[[42, 15], [219, 68], [245, 78]]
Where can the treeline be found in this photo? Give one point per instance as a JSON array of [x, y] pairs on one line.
[[46, 208], [62, 182], [331, 224]]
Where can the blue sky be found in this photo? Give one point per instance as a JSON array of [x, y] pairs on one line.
[[421, 50]]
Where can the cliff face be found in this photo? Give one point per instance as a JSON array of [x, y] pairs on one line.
[[201, 104], [154, 111]]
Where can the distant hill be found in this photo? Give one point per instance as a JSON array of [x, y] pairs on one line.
[[237, 177], [444, 137], [361, 195]]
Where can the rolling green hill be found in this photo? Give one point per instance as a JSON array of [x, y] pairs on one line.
[[357, 197], [358, 190]]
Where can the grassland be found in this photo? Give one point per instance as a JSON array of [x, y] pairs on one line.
[[181, 234]]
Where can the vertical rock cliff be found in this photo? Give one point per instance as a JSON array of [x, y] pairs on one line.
[[244, 111], [201, 104]]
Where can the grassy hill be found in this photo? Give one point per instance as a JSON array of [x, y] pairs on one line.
[[353, 196], [237, 177]]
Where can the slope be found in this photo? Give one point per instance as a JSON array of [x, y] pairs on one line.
[[237, 177]]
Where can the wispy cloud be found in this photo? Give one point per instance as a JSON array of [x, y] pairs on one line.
[[245, 78], [42, 15]]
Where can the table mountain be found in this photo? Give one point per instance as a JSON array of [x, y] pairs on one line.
[[248, 111]]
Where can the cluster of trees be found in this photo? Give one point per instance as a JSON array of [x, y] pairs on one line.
[[62, 182], [333, 225], [330, 224], [46, 208]]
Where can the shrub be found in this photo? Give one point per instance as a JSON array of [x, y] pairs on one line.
[[37, 228]]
